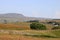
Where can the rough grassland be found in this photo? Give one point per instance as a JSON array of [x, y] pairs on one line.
[[28, 35], [18, 26], [18, 37], [22, 31]]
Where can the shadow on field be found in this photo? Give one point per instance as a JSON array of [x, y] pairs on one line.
[[46, 36]]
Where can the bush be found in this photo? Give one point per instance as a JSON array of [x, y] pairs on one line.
[[37, 26], [54, 28], [47, 36], [33, 21]]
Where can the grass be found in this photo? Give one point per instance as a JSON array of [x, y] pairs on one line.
[[18, 26], [45, 36], [34, 33], [27, 33], [20, 37], [31, 35], [43, 33], [56, 32]]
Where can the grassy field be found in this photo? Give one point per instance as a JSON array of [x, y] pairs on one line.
[[21, 26], [17, 37], [15, 26], [30, 35], [22, 31]]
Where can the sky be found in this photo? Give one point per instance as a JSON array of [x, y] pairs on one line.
[[32, 8]]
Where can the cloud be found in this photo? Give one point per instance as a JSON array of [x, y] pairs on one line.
[[57, 14], [35, 13]]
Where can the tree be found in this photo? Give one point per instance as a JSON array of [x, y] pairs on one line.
[[54, 28], [37, 26], [33, 21], [5, 21]]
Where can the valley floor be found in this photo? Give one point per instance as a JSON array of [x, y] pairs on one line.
[[16, 37], [26, 35]]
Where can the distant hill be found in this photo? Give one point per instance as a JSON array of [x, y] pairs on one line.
[[13, 17], [57, 20]]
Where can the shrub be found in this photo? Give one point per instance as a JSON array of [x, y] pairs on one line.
[[5, 21], [54, 28], [47, 36], [37, 26], [33, 21]]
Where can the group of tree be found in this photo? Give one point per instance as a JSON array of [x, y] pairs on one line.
[[37, 26], [33, 21]]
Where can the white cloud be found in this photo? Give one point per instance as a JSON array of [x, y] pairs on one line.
[[57, 14], [35, 13]]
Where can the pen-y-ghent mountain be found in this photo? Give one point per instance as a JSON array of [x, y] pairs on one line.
[[13, 17]]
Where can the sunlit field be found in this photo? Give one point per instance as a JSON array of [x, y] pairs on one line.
[[22, 31]]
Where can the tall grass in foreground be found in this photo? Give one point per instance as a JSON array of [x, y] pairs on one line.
[[19, 26], [46, 34]]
